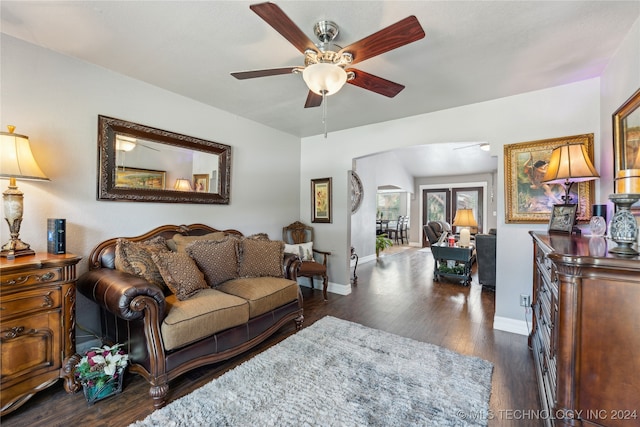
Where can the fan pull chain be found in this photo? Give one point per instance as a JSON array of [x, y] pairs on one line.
[[324, 112]]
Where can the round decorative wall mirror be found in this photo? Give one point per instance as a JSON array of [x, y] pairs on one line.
[[356, 192]]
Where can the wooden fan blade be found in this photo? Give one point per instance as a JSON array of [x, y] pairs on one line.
[[313, 100], [375, 84], [280, 22], [242, 75], [394, 36]]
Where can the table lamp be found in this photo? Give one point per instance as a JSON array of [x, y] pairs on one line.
[[183, 184], [464, 218], [569, 164], [16, 162]]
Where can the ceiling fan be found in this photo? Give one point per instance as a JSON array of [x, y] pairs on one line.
[[327, 65]]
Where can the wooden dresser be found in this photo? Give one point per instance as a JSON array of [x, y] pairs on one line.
[[586, 331], [37, 325]]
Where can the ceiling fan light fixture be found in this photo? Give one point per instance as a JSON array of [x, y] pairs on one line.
[[323, 78], [125, 143]]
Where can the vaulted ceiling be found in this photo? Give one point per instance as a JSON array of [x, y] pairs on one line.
[[473, 51]]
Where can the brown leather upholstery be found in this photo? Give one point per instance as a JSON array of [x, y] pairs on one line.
[[298, 232], [132, 312]]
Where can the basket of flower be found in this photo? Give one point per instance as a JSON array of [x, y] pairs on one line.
[[100, 372]]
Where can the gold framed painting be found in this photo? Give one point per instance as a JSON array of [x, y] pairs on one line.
[[527, 198], [201, 182], [626, 135], [321, 200], [127, 177]]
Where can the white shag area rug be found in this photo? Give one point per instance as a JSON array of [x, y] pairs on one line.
[[339, 373]]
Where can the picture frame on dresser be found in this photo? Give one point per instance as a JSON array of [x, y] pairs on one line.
[[563, 218]]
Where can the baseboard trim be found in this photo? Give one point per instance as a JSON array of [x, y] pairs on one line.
[[514, 326], [334, 288]]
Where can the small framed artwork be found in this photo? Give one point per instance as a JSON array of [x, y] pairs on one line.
[[201, 182], [626, 135], [140, 178], [563, 218], [321, 200], [527, 198]]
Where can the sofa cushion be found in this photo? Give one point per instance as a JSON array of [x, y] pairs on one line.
[[303, 250], [178, 242], [180, 273], [262, 293], [217, 259], [260, 258], [203, 315], [135, 258]]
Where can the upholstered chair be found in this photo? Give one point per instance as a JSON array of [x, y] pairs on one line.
[[298, 239], [486, 258]]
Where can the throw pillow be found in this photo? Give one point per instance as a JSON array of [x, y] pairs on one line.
[[303, 250], [178, 242], [261, 258], [135, 258], [217, 259], [180, 273]]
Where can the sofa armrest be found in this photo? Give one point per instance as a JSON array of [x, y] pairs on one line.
[[116, 290], [290, 264]]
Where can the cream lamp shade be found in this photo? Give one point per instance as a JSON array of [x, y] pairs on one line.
[[323, 78], [569, 163], [183, 184], [16, 162], [464, 218]]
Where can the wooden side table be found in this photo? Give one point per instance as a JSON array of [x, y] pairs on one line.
[[37, 332], [462, 259]]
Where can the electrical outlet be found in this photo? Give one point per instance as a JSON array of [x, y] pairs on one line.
[[525, 300]]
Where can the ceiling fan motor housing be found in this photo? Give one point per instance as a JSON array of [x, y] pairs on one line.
[[326, 31]]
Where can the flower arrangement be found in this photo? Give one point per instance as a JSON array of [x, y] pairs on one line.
[[100, 369]]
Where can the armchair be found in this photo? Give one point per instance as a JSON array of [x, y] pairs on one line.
[[434, 229], [298, 239]]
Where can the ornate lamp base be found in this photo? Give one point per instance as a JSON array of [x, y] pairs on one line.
[[624, 228]]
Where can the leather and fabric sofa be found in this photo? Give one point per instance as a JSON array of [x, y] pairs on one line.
[[180, 297]]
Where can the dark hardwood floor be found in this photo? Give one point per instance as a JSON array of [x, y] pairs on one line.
[[395, 294]]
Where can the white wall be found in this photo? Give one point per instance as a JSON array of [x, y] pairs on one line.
[[619, 81], [374, 171], [56, 100], [554, 112]]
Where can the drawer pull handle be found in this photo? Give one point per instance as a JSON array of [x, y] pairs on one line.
[[46, 277], [23, 279], [48, 302], [16, 331]]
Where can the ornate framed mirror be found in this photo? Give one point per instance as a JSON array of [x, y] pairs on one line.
[[144, 164]]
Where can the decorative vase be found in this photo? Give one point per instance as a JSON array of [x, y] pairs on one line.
[[624, 228], [94, 393], [598, 226]]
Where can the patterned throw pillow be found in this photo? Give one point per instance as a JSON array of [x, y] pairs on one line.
[[180, 273], [216, 259], [261, 258], [135, 258], [303, 250], [178, 242]]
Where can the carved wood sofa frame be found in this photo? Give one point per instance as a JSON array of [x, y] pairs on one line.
[[132, 311]]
